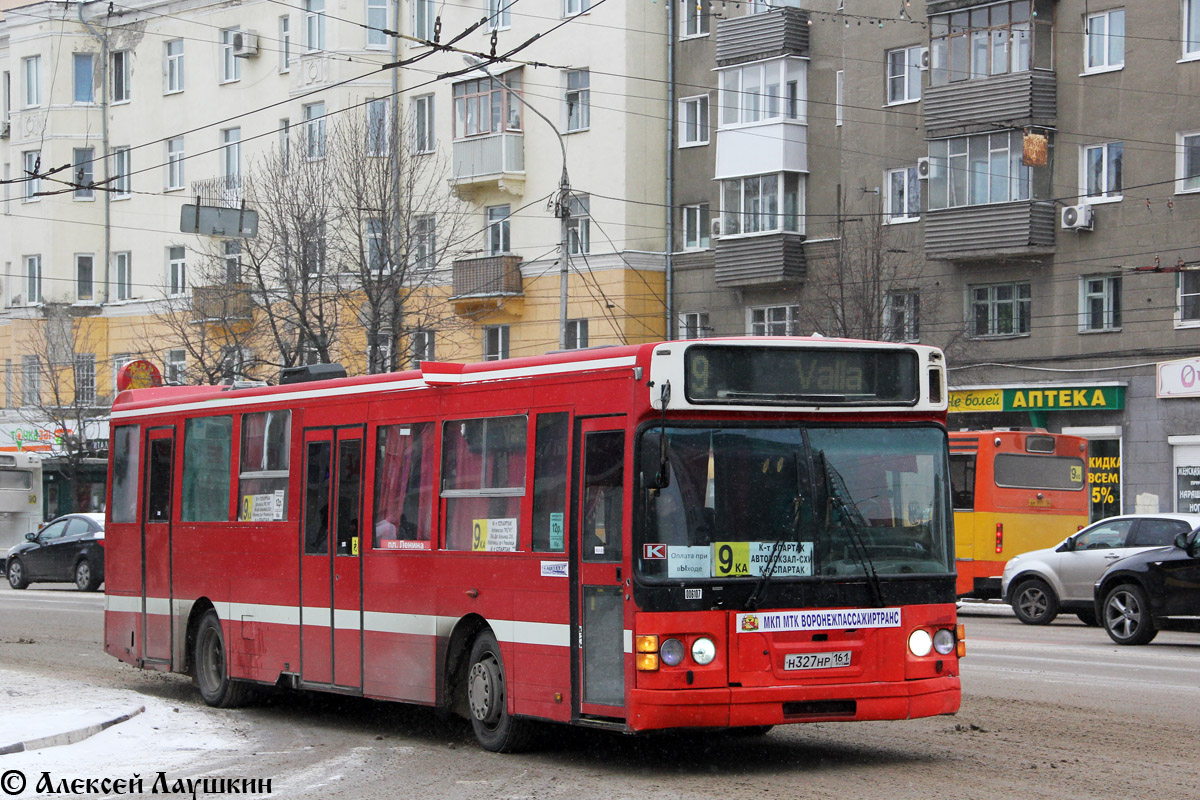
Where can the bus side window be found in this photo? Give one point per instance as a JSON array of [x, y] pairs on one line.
[[126, 458], [604, 478], [962, 481], [316, 498], [207, 452], [483, 481], [404, 479], [550, 482], [263, 473], [349, 500]]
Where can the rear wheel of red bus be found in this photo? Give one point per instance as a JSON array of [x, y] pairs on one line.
[[487, 699], [212, 670]]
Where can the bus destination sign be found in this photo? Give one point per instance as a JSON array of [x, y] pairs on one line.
[[801, 376]]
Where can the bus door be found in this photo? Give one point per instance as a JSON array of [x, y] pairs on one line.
[[156, 547], [597, 569], [330, 566]]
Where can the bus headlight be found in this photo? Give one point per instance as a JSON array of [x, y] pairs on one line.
[[671, 652], [703, 650], [943, 642], [920, 642]]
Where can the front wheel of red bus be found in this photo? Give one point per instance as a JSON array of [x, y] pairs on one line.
[[487, 693], [211, 668]]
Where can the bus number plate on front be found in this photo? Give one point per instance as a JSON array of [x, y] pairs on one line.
[[817, 660]]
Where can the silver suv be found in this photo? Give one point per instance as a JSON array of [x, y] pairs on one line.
[[1041, 583]]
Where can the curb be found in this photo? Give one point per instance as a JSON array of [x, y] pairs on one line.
[[70, 737]]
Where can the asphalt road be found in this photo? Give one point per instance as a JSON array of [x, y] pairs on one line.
[[1049, 712]]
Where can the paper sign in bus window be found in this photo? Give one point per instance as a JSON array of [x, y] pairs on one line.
[[556, 530], [689, 562], [494, 535]]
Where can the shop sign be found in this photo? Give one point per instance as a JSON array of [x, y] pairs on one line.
[[1179, 378], [1187, 490], [1049, 398], [976, 400]]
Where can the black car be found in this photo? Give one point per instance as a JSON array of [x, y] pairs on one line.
[[1153, 590], [71, 548]]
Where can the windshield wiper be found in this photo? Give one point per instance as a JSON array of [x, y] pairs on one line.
[[837, 493], [777, 549]]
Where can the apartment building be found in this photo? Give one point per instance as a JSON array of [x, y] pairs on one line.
[[1017, 182]]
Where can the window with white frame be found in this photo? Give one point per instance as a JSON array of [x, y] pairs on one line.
[[1100, 303], [176, 367], [120, 76], [421, 347], [175, 164], [423, 132], [285, 142], [85, 379], [693, 121], [499, 14], [497, 230], [285, 43], [31, 67], [33, 180], [232, 256], [173, 71], [1187, 161], [1102, 170], [767, 91], [122, 173], [579, 225], [377, 23], [578, 98], [123, 266], [694, 325], [31, 380], [773, 321], [901, 316], [985, 40], [576, 334], [486, 106], [231, 156], [85, 268], [904, 75], [119, 360], [424, 242], [839, 96], [1104, 41], [495, 342], [379, 352], [573, 7], [1000, 309], [902, 195], [82, 172], [231, 65], [696, 226], [33, 279], [979, 169], [314, 25], [694, 20], [314, 131], [1187, 306], [1191, 28], [176, 270], [762, 203], [424, 15], [379, 124], [84, 73], [375, 246]]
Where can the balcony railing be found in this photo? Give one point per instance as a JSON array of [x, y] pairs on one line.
[[223, 190], [772, 259], [224, 303], [489, 276], [753, 37], [990, 231], [484, 159]]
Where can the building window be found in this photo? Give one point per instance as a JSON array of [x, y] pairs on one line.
[[423, 136], [33, 279], [763, 92], [1100, 303], [1001, 309], [424, 245], [761, 203], [32, 67], [33, 180], [773, 321], [231, 151], [976, 170], [694, 325], [693, 121], [1191, 28], [314, 25], [285, 143], [901, 317], [579, 226], [694, 20], [176, 367], [377, 24], [1187, 161], [85, 265], [577, 334], [904, 75], [85, 379], [578, 99], [175, 163], [499, 14], [990, 40], [120, 77], [1104, 41], [495, 342], [839, 97], [124, 270], [573, 7], [424, 16], [486, 106], [314, 131], [379, 352], [85, 89], [695, 227], [1102, 170], [232, 256], [176, 270], [82, 172], [231, 65], [902, 195], [122, 173], [375, 246], [31, 380], [497, 230], [378, 127], [1188, 304], [174, 68], [421, 347], [285, 43]]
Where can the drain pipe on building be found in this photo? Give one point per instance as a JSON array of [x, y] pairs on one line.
[[669, 271]]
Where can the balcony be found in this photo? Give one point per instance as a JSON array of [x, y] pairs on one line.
[[496, 161], [224, 191], [226, 305], [1016, 100], [761, 149], [991, 231], [783, 32], [485, 282], [762, 260]]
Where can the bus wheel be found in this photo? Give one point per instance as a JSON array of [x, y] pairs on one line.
[[85, 579], [487, 693], [211, 667], [1127, 615], [16, 574], [1034, 602]]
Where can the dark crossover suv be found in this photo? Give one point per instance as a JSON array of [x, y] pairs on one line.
[[71, 548], [1153, 590]]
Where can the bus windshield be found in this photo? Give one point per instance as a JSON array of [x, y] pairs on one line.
[[792, 502]]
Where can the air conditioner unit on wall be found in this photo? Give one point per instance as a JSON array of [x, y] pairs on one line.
[[716, 228], [1078, 218], [245, 44], [923, 168], [5, 130], [923, 64]]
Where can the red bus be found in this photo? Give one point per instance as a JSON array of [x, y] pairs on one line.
[[731, 533]]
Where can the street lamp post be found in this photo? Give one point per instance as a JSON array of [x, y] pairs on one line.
[[562, 204]]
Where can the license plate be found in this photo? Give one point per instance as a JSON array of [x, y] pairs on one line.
[[816, 660]]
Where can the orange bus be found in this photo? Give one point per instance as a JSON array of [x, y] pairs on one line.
[[1013, 491]]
